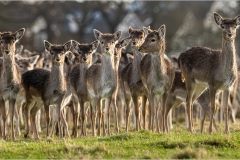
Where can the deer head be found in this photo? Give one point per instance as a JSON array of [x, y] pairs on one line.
[[58, 52], [107, 41], [229, 26], [84, 51], [8, 41]]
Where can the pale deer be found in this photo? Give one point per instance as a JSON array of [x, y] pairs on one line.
[[217, 69], [10, 77], [131, 79], [24, 64], [101, 79], [47, 88], [77, 79], [157, 73]]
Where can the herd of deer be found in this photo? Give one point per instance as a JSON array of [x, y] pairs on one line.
[[74, 74]]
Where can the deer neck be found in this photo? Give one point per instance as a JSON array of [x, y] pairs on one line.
[[108, 64], [10, 71], [57, 78], [158, 63], [136, 62], [228, 55]]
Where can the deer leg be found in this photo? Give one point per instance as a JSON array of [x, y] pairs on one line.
[[212, 102], [82, 112], [164, 116], [64, 122], [202, 116], [16, 115], [127, 112], [46, 107], [225, 106], [33, 114], [27, 118], [136, 109], [12, 110], [151, 102], [115, 111], [190, 91], [144, 100], [74, 121], [38, 120], [99, 114]]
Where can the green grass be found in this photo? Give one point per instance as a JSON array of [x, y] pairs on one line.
[[178, 144]]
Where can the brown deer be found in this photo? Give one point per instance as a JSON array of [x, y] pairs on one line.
[[217, 69], [10, 77], [131, 79], [77, 79], [157, 73], [101, 79], [47, 88]]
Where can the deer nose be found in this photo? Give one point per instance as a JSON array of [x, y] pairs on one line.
[[84, 59], [107, 49], [229, 34], [7, 51], [134, 43], [58, 59]]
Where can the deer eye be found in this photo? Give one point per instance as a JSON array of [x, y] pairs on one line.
[[153, 40], [21, 66], [222, 26], [102, 42], [1, 41], [141, 37]]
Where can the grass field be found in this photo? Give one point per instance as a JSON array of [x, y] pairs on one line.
[[139, 145]]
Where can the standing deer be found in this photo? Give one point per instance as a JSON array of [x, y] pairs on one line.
[[217, 69], [47, 88], [131, 79], [10, 77], [77, 79], [157, 73], [101, 80]]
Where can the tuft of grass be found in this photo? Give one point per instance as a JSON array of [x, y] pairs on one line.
[[186, 154]]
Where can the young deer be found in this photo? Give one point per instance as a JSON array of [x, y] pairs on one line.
[[10, 77], [77, 79], [101, 79], [157, 73], [203, 67], [131, 79], [47, 87]]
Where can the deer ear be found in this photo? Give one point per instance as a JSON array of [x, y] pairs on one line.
[[75, 45], [146, 30], [217, 18], [162, 31], [47, 45], [33, 60], [17, 57], [94, 45], [125, 42], [97, 34], [19, 34], [130, 29], [67, 46], [237, 20], [117, 35], [19, 49]]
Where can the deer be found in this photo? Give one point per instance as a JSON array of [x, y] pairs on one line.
[[77, 75], [10, 77], [216, 69], [101, 81], [131, 80], [46, 88], [157, 73]]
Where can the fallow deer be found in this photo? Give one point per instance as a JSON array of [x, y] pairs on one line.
[[46, 87], [10, 77], [131, 79], [157, 73], [77, 79], [217, 69], [101, 79]]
